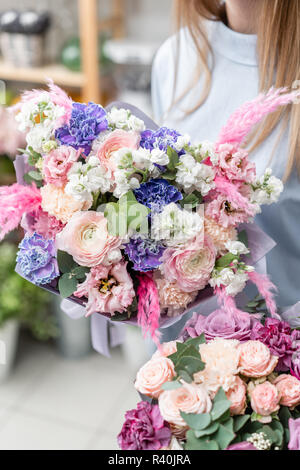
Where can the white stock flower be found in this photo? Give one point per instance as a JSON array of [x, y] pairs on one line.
[[181, 142], [123, 184], [136, 124], [267, 189], [176, 226], [124, 119], [192, 175], [37, 136], [236, 247], [159, 157], [234, 282], [142, 158], [207, 149]]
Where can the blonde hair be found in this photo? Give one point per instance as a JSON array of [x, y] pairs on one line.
[[278, 48]]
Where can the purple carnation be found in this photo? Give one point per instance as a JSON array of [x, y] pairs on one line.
[[280, 339], [86, 123], [156, 194], [144, 429], [162, 139], [219, 324], [37, 259], [144, 253]]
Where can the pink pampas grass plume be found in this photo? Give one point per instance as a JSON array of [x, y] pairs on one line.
[[242, 121], [265, 288], [148, 307], [15, 200]]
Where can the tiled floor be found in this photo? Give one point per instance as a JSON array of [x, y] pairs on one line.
[[55, 403]]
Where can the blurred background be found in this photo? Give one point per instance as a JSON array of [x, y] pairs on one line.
[[55, 391]]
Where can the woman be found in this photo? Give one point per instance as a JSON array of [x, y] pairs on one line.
[[225, 54]]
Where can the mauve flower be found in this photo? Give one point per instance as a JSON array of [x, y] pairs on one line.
[[144, 429], [294, 427], [37, 259], [109, 289], [57, 164], [86, 123], [220, 324], [144, 253], [295, 366], [244, 445], [280, 339]]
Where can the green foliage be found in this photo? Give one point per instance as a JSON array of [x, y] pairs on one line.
[[192, 200], [126, 213], [21, 300], [173, 159], [257, 305], [225, 260], [72, 274], [187, 360], [243, 237]]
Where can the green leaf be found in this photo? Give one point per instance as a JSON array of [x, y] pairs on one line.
[[192, 443], [211, 429], [223, 436], [243, 237], [119, 317], [29, 180], [169, 175], [185, 376], [192, 199], [190, 364], [225, 260], [240, 421], [80, 272], [173, 385], [196, 341], [196, 421], [220, 405], [65, 262], [173, 159], [35, 175], [67, 285]]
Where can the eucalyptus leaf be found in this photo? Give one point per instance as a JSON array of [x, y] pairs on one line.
[[192, 443], [196, 421], [211, 429], [35, 175], [173, 385], [67, 285], [65, 262], [240, 421], [223, 436]]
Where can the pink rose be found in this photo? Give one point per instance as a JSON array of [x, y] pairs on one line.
[[265, 400], [109, 289], [117, 140], [191, 265], [237, 396], [166, 349], [189, 398], [256, 359], [153, 375], [86, 238], [57, 164], [289, 389]]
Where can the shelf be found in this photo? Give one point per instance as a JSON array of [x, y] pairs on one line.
[[59, 73]]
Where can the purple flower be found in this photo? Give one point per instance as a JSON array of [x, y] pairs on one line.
[[294, 427], [219, 324], [156, 194], [244, 445], [162, 139], [144, 253], [144, 429], [37, 259], [86, 123], [280, 339], [295, 366]]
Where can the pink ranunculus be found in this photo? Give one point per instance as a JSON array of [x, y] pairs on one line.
[[237, 396], [294, 427], [265, 400], [86, 238], [234, 163], [109, 289], [289, 389], [190, 266], [153, 375], [256, 359], [117, 140], [57, 164]]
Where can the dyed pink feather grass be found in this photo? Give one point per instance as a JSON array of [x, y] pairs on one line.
[[231, 192], [228, 303], [148, 307], [265, 288], [15, 200], [242, 121]]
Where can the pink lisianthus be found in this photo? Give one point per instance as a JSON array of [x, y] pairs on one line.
[[42, 223], [234, 163], [226, 213], [57, 164], [190, 266], [109, 289], [86, 238], [117, 140]]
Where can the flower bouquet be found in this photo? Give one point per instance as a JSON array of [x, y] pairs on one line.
[[135, 222], [230, 382]]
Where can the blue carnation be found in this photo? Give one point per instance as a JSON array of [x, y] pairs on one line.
[[144, 253], [162, 139], [156, 194], [86, 123], [36, 259]]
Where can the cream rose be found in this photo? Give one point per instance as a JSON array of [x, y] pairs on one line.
[[189, 398], [237, 396], [166, 349], [256, 359], [153, 375], [265, 400], [86, 238], [289, 389]]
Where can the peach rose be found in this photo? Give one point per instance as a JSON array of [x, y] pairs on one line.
[[237, 396], [289, 389], [117, 140], [86, 238], [166, 349], [153, 375], [256, 359], [59, 204], [189, 398], [265, 400]]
